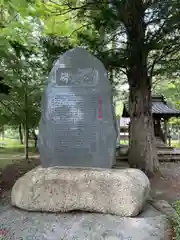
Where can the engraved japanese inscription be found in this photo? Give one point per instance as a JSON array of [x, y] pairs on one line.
[[77, 125]]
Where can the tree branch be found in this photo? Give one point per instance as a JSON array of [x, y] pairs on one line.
[[149, 3], [154, 83], [3, 26], [86, 6], [153, 21], [112, 37], [6, 106], [66, 4], [57, 4], [157, 34], [163, 55], [124, 71], [77, 29]]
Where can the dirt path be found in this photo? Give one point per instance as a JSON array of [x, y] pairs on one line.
[[167, 184], [12, 172]]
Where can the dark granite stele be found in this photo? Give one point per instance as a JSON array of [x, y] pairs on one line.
[[77, 126]]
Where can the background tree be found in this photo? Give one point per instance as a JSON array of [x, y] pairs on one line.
[[147, 32], [28, 46], [22, 66], [26, 79], [135, 39]]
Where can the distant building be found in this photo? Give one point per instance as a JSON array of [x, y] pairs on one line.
[[161, 114]]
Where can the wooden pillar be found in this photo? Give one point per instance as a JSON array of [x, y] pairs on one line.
[[118, 130], [165, 130], [157, 127], [169, 139], [129, 125]]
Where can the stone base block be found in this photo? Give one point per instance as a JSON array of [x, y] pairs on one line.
[[121, 192]]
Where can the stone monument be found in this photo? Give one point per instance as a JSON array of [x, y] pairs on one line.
[[77, 142], [77, 126]]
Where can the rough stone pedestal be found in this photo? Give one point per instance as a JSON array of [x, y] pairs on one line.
[[121, 192]]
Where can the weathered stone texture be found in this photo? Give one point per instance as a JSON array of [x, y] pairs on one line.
[[120, 192]]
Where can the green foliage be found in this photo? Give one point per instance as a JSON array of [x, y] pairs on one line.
[[53, 46], [110, 31], [170, 88], [176, 205], [24, 77], [136, 40], [28, 47], [16, 24], [22, 63]]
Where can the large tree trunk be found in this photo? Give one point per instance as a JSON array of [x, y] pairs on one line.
[[26, 142], [20, 134], [26, 127], [2, 131], [142, 151], [35, 138]]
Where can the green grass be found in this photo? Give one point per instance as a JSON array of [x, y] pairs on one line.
[[175, 143], [124, 142], [13, 151], [176, 221]]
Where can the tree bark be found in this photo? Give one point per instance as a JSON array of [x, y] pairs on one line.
[[2, 131], [165, 130], [142, 149], [26, 127], [26, 142], [20, 134], [35, 138]]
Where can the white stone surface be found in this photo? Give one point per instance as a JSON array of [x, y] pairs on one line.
[[122, 192]]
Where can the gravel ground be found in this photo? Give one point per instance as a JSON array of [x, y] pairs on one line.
[[21, 225]]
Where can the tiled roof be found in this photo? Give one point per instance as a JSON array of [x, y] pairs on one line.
[[159, 107], [163, 109]]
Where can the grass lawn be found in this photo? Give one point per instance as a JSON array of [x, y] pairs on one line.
[[175, 143], [177, 221], [124, 142], [13, 152]]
